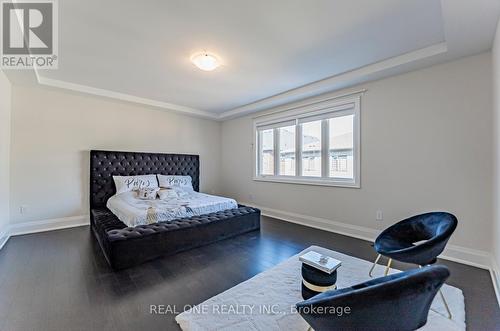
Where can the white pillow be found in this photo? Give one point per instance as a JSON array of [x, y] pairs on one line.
[[167, 193], [169, 181], [132, 183], [148, 193]]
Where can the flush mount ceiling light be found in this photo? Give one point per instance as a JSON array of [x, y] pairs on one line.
[[205, 61]]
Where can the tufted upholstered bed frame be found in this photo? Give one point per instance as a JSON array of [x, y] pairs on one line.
[[128, 246]]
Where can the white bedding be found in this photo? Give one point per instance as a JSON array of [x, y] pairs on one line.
[[134, 211]]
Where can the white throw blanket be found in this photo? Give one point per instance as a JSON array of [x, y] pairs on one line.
[[134, 211], [266, 301]]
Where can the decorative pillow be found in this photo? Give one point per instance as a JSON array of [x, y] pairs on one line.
[[170, 181], [148, 193], [182, 192], [133, 183], [167, 193]]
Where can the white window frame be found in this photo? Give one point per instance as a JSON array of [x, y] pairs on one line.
[[323, 110]]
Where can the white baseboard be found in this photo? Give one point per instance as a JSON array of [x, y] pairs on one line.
[[464, 255], [16, 229], [469, 256], [350, 230], [4, 236], [495, 277]]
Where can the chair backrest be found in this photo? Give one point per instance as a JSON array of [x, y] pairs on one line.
[[425, 226], [432, 230], [396, 302], [436, 224]]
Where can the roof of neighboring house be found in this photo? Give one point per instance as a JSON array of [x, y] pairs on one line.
[[310, 143]]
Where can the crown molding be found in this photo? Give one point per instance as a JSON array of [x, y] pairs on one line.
[[330, 84], [334, 83], [124, 97]]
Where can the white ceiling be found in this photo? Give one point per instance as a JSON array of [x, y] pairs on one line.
[[273, 51]]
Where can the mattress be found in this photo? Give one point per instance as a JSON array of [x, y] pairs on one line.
[[134, 211]]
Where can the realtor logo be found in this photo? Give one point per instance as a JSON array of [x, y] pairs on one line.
[[29, 34]]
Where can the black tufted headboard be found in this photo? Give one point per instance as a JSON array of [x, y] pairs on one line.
[[106, 164]]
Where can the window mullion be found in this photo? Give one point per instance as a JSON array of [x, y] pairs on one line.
[[324, 148], [298, 150], [276, 139], [259, 153]]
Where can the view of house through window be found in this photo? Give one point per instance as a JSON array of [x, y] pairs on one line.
[[267, 152], [340, 153], [312, 147], [287, 150]]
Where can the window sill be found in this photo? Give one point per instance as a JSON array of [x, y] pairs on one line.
[[307, 181]]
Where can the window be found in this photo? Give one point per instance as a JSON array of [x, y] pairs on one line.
[[314, 144]]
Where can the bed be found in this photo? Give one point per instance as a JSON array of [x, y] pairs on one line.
[[125, 246]]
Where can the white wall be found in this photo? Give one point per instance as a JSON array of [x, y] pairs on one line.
[[496, 155], [5, 107], [426, 141], [53, 131]]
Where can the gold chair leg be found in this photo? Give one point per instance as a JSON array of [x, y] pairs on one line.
[[373, 266], [388, 267], [445, 304]]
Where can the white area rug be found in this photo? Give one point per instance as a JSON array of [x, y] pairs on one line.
[[266, 301]]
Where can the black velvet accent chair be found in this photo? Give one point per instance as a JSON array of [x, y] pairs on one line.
[[418, 240], [396, 302]]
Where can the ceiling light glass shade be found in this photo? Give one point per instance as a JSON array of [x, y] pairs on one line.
[[205, 61]]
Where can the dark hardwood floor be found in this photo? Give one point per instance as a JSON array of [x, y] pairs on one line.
[[59, 280]]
